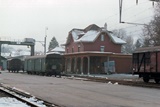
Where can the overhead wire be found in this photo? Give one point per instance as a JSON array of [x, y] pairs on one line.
[[127, 9], [140, 13], [131, 17], [132, 26], [116, 25]]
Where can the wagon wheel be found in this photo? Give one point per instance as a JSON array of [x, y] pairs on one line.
[[157, 80], [146, 79]]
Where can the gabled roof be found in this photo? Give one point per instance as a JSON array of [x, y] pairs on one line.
[[90, 34], [92, 27]]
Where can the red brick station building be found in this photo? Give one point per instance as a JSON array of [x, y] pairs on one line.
[[95, 50]]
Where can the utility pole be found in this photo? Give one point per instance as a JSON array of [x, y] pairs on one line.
[[45, 38], [120, 10]]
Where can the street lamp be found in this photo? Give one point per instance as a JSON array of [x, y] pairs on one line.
[[45, 40]]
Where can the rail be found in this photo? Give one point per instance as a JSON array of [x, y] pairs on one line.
[[22, 96]]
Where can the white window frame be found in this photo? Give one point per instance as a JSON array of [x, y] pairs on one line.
[[102, 37], [79, 47], [102, 48]]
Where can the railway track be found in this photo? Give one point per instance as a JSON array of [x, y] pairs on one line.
[[20, 95], [24, 97]]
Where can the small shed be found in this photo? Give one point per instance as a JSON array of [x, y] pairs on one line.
[[3, 63]]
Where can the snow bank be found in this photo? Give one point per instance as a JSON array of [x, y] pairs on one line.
[[11, 102]]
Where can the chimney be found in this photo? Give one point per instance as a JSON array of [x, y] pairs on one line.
[[105, 26]]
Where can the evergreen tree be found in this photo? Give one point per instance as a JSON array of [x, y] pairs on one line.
[[53, 43]]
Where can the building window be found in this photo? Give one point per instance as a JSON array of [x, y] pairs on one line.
[[72, 50], [102, 37], [102, 48], [79, 48], [67, 50]]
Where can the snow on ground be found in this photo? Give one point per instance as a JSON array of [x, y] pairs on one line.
[[11, 102], [125, 77], [111, 76]]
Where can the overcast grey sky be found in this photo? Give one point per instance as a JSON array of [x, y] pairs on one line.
[[21, 19]]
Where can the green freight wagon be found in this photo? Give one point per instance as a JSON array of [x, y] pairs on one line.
[[44, 64]]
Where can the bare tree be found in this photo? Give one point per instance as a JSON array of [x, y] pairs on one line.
[[120, 33], [129, 46], [139, 43], [6, 49], [151, 32]]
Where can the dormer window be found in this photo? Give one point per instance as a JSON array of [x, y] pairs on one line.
[[102, 37], [72, 49]]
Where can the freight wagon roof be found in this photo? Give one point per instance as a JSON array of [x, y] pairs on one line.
[[36, 56], [22, 57], [9, 59], [147, 49], [42, 56]]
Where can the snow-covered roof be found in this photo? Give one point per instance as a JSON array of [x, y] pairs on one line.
[[91, 35], [76, 33], [54, 53], [116, 39], [58, 49]]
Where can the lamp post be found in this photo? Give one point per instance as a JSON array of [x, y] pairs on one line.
[[45, 40]]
